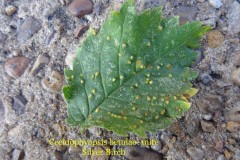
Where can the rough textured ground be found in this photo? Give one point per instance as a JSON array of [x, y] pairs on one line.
[[32, 111]]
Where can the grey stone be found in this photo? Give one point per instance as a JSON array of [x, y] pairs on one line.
[[234, 18], [38, 132], [19, 103], [215, 102], [75, 150], [193, 127], [16, 66], [81, 30], [203, 105], [80, 8], [157, 147], [195, 153], [29, 27], [207, 117], [219, 146], [236, 76], [61, 148], [233, 126], [207, 126], [2, 111], [98, 7], [3, 37], [139, 153], [221, 157], [17, 154], [58, 155], [53, 83], [234, 114], [175, 2], [39, 63], [159, 3], [206, 78], [96, 131], [210, 103], [10, 10], [186, 13], [216, 3], [237, 59]]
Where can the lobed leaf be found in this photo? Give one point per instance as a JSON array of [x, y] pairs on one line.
[[133, 75]]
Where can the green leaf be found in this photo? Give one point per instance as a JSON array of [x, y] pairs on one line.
[[133, 75]]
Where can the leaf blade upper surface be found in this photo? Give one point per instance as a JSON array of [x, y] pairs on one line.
[[133, 75]]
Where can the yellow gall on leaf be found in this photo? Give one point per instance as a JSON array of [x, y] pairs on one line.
[[97, 110], [160, 28], [96, 74], [163, 112], [81, 81]]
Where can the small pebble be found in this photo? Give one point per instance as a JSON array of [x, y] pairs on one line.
[[157, 147], [215, 101], [227, 154], [139, 153], [233, 126], [10, 10], [186, 13], [89, 17], [219, 146], [176, 129], [2, 111], [207, 117], [195, 153], [215, 3], [39, 63], [236, 76], [18, 154], [19, 103], [58, 155], [60, 148], [193, 127], [206, 78], [75, 150], [202, 105], [3, 37], [97, 9], [234, 114], [221, 157], [81, 30], [237, 60], [96, 131], [234, 18], [29, 27], [80, 8], [62, 2], [207, 126], [53, 83], [214, 38], [16, 66], [38, 132]]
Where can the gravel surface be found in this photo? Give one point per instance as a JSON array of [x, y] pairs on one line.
[[38, 40]]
